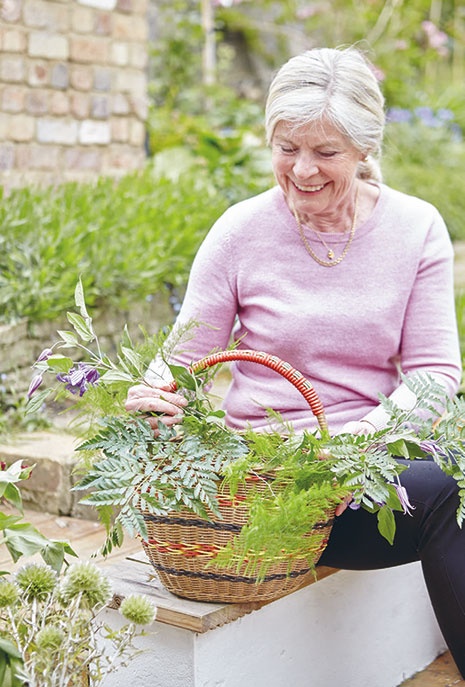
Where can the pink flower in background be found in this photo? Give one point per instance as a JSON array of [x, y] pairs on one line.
[[379, 74], [437, 39], [308, 11]]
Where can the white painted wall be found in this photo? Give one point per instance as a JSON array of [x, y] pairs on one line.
[[167, 659], [352, 629]]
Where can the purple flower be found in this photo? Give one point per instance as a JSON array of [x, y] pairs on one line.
[[404, 499], [398, 115], [445, 115], [92, 376], [34, 385], [426, 116], [79, 378], [456, 132], [45, 355], [432, 447]]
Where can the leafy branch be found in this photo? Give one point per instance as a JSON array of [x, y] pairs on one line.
[[20, 537], [126, 471]]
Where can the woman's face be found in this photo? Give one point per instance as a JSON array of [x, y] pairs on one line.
[[315, 165]]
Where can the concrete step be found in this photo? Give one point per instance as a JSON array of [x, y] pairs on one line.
[[49, 487]]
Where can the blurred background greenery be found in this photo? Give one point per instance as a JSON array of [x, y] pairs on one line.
[[210, 65]]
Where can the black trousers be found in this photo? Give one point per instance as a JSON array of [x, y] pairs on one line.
[[431, 535]]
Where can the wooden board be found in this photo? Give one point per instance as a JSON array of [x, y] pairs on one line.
[[85, 536], [136, 575]]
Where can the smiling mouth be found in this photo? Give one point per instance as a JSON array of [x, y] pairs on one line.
[[309, 189]]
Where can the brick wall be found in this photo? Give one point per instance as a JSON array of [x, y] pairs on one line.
[[72, 89]]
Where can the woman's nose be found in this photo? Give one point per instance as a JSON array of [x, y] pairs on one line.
[[305, 166]]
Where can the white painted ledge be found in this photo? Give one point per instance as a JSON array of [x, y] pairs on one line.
[[351, 629]]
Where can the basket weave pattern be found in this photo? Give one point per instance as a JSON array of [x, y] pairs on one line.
[[181, 545]]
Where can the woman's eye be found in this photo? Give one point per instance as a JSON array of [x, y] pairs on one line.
[[287, 150], [328, 153]]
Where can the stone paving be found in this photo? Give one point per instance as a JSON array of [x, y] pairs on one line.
[[442, 673]]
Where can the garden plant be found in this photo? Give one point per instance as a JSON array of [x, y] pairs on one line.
[[51, 630], [127, 469]]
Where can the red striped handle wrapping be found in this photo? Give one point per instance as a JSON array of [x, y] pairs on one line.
[[284, 369]]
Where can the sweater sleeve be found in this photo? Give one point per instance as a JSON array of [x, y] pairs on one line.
[[429, 336], [210, 302]]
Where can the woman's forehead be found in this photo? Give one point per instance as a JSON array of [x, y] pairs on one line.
[[321, 131]]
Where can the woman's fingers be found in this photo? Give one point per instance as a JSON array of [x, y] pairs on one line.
[[153, 400], [343, 505], [168, 420], [358, 427]]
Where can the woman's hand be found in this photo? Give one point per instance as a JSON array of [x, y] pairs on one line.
[[343, 505], [156, 399], [358, 427]]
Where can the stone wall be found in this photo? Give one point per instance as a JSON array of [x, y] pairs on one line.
[[22, 342], [73, 89]]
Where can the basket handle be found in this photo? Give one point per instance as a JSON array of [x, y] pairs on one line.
[[284, 369]]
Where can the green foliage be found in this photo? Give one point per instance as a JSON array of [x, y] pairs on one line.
[[460, 309], [295, 491], [129, 238], [159, 474], [426, 161], [175, 60], [19, 537], [197, 126], [226, 143], [13, 418], [10, 664], [307, 477]]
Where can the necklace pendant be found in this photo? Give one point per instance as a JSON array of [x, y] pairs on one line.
[[330, 254]]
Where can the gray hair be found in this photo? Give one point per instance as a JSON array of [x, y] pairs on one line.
[[338, 85]]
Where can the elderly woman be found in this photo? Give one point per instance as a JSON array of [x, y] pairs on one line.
[[349, 281]]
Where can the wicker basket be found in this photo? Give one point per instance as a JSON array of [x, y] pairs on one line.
[[180, 545]]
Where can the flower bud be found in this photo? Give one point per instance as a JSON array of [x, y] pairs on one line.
[[8, 593], [50, 638], [46, 353], [34, 385], [36, 581], [84, 581], [138, 609]]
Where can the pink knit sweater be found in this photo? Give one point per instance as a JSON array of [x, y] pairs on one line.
[[348, 328]]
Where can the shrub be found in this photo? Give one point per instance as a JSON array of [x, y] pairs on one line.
[[425, 156], [129, 238]]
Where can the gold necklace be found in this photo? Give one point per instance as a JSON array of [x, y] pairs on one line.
[[331, 262]]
